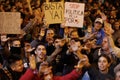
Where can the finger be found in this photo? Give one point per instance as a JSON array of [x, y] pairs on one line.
[[31, 58], [78, 66], [31, 49], [45, 63], [32, 62]]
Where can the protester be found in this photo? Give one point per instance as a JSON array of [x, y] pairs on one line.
[[107, 50], [117, 75], [103, 71], [49, 40], [117, 72], [13, 70], [46, 71], [116, 28]]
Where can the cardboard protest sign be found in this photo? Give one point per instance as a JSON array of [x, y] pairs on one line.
[[9, 23], [54, 12], [74, 14]]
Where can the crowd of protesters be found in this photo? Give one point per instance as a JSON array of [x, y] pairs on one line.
[[56, 52]]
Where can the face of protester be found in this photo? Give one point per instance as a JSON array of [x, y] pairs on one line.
[[103, 64], [74, 34], [50, 40], [18, 66], [13, 9], [117, 26], [16, 47], [58, 43], [40, 53], [111, 20], [117, 76], [48, 75], [50, 33], [16, 43], [118, 40], [105, 43], [27, 49], [97, 26], [37, 3], [113, 13], [42, 31]]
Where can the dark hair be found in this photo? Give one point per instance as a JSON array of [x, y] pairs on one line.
[[76, 39], [105, 56], [116, 42], [13, 58], [73, 31], [57, 37], [39, 44], [51, 29], [15, 39], [114, 24]]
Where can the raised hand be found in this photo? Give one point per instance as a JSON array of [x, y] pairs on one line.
[[4, 38], [80, 64], [32, 62], [84, 62], [104, 17], [28, 48], [108, 29], [28, 1]]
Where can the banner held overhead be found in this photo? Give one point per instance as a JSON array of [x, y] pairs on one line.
[[54, 12], [74, 14], [10, 23]]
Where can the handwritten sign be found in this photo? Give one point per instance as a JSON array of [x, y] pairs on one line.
[[74, 14], [9, 23], [54, 12]]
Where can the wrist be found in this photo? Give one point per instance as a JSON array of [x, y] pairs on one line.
[[79, 70]]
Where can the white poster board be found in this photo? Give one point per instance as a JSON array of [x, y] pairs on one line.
[[54, 12], [74, 14], [10, 23]]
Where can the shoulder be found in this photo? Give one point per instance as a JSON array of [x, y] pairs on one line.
[[56, 77]]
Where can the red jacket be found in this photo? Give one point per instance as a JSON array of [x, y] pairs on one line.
[[30, 76]]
